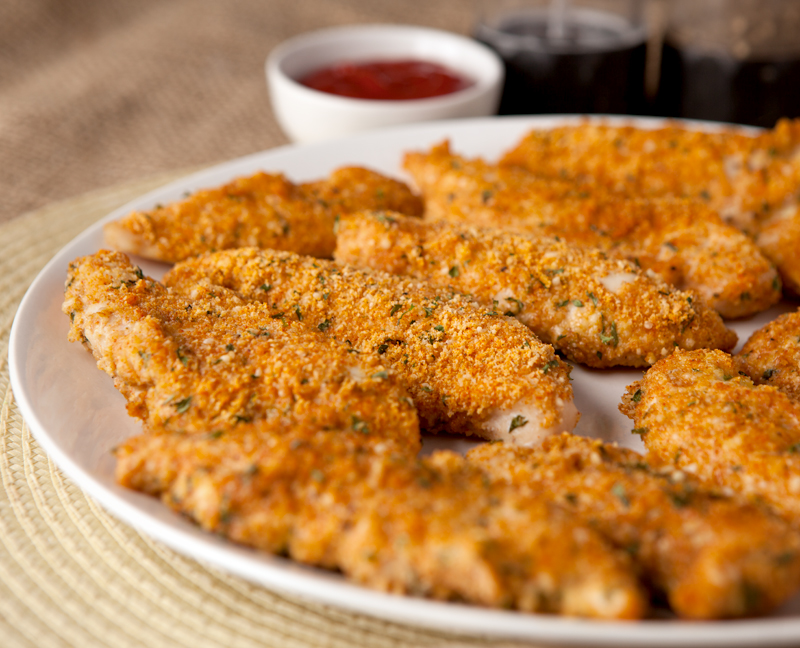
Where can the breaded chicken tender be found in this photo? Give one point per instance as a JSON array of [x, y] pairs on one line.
[[771, 356], [339, 498], [598, 311], [207, 361], [275, 436], [682, 240], [263, 210], [779, 238], [350, 189], [713, 556], [672, 160], [751, 180], [697, 411], [468, 368]]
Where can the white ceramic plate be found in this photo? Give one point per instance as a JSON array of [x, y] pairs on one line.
[[77, 416]]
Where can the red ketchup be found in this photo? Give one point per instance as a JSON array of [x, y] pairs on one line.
[[386, 80]]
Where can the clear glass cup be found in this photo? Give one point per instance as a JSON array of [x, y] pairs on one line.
[[731, 60], [568, 56]]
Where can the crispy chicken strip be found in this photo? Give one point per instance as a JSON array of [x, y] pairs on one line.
[[333, 479], [469, 369], [208, 360], [598, 311], [772, 187], [771, 356], [262, 210], [779, 237], [713, 556], [697, 411], [682, 240], [435, 527], [751, 181]]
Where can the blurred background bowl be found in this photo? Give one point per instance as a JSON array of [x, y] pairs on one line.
[[308, 115]]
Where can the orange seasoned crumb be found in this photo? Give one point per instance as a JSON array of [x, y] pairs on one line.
[[683, 241], [263, 210], [435, 527], [771, 356], [750, 179], [209, 361], [267, 432], [699, 412], [598, 311], [712, 555], [468, 368], [282, 395]]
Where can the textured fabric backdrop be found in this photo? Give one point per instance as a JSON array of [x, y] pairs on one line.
[[97, 92]]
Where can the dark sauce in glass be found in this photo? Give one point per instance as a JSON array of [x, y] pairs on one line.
[[596, 66], [701, 85]]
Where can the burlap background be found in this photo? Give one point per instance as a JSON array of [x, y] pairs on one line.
[[96, 92]]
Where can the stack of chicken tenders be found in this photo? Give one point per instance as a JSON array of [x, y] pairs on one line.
[[307, 336]]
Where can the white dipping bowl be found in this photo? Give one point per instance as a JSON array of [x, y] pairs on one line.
[[308, 115]]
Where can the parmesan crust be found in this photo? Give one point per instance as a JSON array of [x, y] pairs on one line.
[[263, 210], [469, 368], [713, 555], [269, 433], [771, 356], [598, 311], [697, 411], [750, 180], [682, 240], [282, 395], [435, 527], [209, 361]]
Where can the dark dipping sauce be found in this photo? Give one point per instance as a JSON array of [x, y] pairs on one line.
[[703, 85], [597, 66], [386, 80]]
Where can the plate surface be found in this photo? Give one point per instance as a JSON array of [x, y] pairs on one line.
[[77, 416]]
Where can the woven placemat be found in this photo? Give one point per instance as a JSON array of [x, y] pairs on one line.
[[73, 575]]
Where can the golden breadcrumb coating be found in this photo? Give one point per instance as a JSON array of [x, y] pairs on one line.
[[697, 411], [468, 368], [262, 210], [672, 160], [771, 356], [598, 311], [434, 527], [271, 434], [349, 189], [208, 361], [713, 556], [751, 181], [779, 238], [281, 395], [683, 241]]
